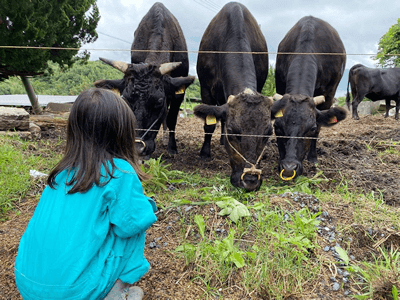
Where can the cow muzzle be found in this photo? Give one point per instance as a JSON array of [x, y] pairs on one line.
[[290, 170], [250, 179]]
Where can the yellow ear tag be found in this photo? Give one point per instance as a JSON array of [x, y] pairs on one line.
[[116, 91], [211, 120], [279, 114], [180, 91], [332, 120]]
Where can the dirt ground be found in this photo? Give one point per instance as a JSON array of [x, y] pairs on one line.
[[348, 150]]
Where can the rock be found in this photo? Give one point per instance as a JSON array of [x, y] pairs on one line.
[[34, 129], [59, 107], [13, 118], [336, 286]]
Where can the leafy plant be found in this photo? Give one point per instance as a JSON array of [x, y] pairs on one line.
[[199, 220], [379, 278], [233, 208], [158, 171]]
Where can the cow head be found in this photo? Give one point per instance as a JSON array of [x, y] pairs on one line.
[[247, 117], [297, 118], [147, 88]]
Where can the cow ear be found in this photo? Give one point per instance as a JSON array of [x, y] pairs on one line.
[[111, 84], [181, 83], [277, 109], [209, 112], [331, 116]]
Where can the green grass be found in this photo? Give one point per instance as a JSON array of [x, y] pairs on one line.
[[16, 161], [268, 248]]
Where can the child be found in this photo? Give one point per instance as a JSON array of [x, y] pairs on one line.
[[88, 231]]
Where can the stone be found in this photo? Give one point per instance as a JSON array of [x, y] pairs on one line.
[[34, 129], [13, 118], [59, 107]]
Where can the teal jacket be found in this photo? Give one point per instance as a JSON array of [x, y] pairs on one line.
[[76, 246]]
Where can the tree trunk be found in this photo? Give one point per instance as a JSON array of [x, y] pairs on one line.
[[31, 94]]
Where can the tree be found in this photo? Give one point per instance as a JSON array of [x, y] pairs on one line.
[[37, 23], [269, 88], [389, 47]]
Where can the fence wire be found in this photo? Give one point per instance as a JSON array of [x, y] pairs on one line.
[[195, 51]]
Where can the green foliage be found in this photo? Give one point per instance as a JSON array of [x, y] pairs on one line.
[[269, 88], [389, 46], [15, 166], [199, 220], [35, 23], [158, 172], [193, 90], [230, 206], [58, 81], [380, 276], [224, 251]]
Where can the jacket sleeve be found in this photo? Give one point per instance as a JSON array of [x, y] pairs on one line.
[[130, 212]]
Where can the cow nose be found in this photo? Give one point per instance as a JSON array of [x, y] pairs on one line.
[[251, 182], [140, 146], [290, 169]]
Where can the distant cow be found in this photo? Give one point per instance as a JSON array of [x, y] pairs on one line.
[[308, 83], [154, 82], [375, 84], [230, 89]]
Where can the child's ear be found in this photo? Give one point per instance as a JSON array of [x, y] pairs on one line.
[[331, 116]]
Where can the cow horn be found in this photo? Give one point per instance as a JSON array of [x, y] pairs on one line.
[[249, 91], [230, 99], [166, 68], [277, 97], [319, 99], [119, 65]]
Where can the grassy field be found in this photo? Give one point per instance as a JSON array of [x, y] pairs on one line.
[[269, 246]]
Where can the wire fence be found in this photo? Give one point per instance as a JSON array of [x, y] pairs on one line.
[[196, 51], [382, 143]]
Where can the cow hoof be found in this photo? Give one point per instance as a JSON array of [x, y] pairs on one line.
[[312, 160], [204, 156], [172, 151]]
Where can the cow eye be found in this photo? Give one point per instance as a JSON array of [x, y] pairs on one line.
[[234, 134], [313, 130]]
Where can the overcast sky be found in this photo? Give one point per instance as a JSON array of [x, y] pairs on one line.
[[360, 24]]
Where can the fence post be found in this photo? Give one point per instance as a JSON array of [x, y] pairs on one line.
[[31, 94]]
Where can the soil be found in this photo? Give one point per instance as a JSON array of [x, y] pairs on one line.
[[351, 150]]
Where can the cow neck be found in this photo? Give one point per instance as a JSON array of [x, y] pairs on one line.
[[302, 76], [253, 169]]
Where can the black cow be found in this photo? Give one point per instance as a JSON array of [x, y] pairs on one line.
[[309, 83], [230, 89], [155, 81], [375, 84]]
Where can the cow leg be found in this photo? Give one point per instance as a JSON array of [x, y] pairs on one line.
[[171, 123], [387, 102], [356, 102], [312, 152], [206, 149], [396, 116]]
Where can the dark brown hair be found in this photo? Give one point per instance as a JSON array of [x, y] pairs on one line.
[[101, 126]]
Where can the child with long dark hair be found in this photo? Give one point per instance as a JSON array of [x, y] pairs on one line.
[[86, 238]]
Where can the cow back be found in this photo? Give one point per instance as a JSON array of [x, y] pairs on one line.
[[233, 29], [160, 30], [310, 74]]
